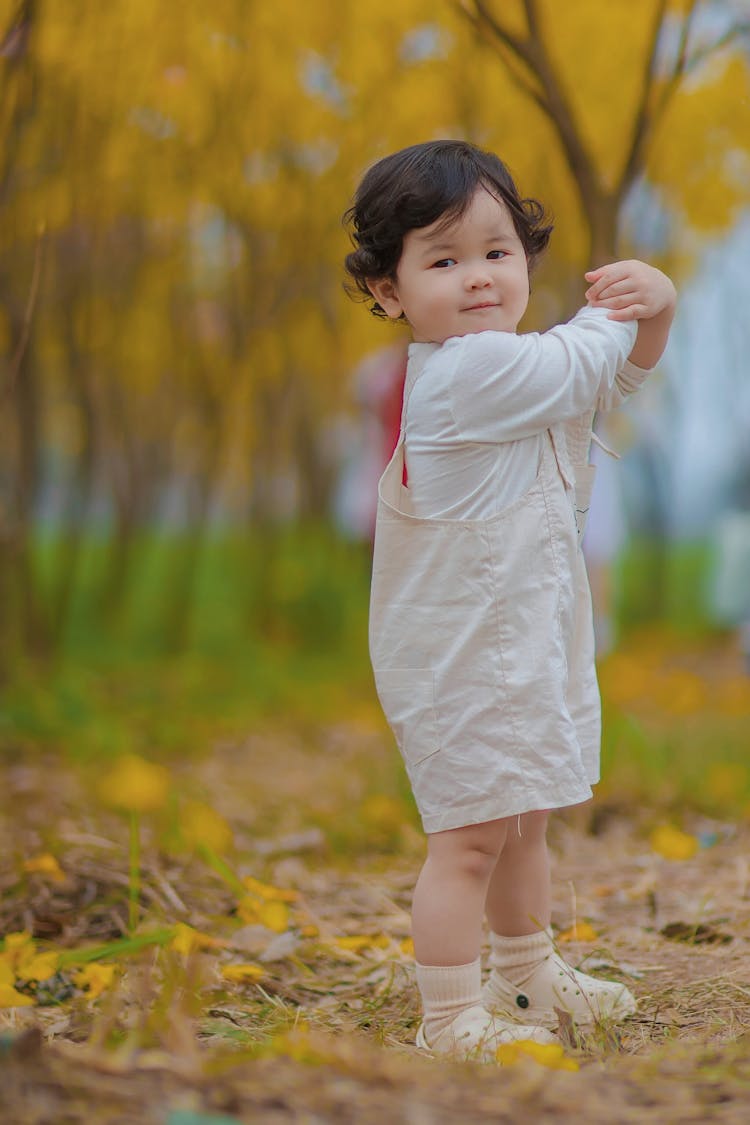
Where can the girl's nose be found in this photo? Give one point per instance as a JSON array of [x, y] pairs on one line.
[[477, 279]]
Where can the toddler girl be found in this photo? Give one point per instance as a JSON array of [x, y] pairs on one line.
[[480, 621]]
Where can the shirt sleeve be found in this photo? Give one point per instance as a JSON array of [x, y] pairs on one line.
[[628, 380], [506, 387]]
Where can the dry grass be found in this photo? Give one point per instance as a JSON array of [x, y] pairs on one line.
[[326, 1035]]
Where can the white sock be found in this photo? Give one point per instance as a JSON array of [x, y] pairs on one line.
[[515, 958], [447, 990]]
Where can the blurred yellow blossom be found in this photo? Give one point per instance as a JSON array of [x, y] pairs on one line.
[[242, 973], [186, 940], [267, 891], [21, 958], [679, 692], [673, 843], [259, 912], [20, 963], [202, 826], [357, 943], [45, 864], [726, 782], [733, 696], [10, 998], [550, 1055], [580, 931], [135, 784], [625, 678], [95, 978]]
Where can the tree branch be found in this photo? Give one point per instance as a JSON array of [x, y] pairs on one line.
[[28, 316], [644, 118], [548, 94]]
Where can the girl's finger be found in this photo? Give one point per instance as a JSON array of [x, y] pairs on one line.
[[632, 312], [623, 299]]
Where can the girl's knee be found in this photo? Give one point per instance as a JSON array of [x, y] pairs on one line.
[[473, 850], [528, 828]]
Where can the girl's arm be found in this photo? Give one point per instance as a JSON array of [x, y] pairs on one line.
[[633, 290]]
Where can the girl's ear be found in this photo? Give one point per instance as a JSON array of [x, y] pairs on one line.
[[385, 293]]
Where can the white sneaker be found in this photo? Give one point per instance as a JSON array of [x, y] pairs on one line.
[[476, 1034], [554, 984]]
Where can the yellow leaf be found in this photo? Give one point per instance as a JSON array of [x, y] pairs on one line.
[[273, 915], [202, 825], [17, 940], [267, 891], [186, 940], [242, 974], [45, 864], [94, 978], [356, 943], [581, 931], [42, 966], [7, 973], [550, 1055], [300, 1046], [9, 998], [135, 784], [673, 843]]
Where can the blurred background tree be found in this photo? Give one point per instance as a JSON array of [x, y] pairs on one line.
[[175, 344]]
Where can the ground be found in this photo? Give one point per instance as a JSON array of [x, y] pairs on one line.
[[321, 1028]]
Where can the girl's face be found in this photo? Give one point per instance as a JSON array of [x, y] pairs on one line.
[[469, 276]]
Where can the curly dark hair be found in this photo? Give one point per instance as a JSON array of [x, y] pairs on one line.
[[415, 187]]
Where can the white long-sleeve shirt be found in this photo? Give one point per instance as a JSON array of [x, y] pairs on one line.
[[481, 404]]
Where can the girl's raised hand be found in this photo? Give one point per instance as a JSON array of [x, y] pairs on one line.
[[631, 290]]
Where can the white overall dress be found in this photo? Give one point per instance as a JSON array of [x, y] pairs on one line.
[[482, 644]]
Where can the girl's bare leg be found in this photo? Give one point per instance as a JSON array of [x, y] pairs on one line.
[[449, 898], [518, 894]]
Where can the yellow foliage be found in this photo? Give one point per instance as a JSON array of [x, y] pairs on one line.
[[135, 784], [202, 825], [268, 891], [45, 864], [580, 931], [187, 940], [673, 843], [679, 692], [359, 943], [95, 978], [20, 962], [243, 973], [257, 911], [726, 782], [550, 1055], [10, 998]]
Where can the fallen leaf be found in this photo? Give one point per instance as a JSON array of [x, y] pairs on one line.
[[95, 978], [673, 843], [269, 892], [242, 973], [273, 915], [187, 940], [580, 931], [10, 998], [45, 864], [550, 1055]]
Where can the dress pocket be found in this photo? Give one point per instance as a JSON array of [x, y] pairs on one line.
[[407, 696]]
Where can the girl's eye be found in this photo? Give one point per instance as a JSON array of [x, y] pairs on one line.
[[495, 255], [441, 265]]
